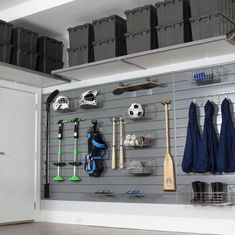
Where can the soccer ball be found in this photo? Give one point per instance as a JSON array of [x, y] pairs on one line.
[[136, 110]]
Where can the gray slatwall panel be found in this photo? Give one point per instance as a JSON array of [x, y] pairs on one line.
[[185, 93], [176, 85]]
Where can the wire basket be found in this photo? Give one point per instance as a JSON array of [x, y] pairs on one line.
[[206, 76], [139, 139], [139, 168], [214, 198]]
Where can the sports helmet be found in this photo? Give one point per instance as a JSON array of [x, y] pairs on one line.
[[61, 103]]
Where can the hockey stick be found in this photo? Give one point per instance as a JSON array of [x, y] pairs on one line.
[[46, 176]]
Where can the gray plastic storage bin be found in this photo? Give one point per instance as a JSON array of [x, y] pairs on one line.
[[109, 27], [24, 39], [5, 32], [51, 48], [173, 34], [5, 53], [201, 8], [81, 55], [141, 41], [141, 18], [46, 65], [172, 11], [81, 35], [109, 48], [24, 59], [211, 26]]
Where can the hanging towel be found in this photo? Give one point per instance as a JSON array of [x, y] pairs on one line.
[[192, 141], [209, 143], [225, 161]]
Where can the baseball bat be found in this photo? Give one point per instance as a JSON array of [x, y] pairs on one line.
[[121, 159], [114, 144]]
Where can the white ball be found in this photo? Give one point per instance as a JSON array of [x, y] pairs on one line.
[[136, 110], [132, 143]]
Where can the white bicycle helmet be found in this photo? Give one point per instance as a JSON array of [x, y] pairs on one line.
[[61, 103], [88, 99]]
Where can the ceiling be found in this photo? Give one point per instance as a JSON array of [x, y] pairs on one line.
[[8, 4], [55, 21]]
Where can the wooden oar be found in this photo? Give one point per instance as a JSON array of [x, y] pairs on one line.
[[169, 175]]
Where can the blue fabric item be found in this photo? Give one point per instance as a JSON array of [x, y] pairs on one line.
[[192, 141], [225, 161], [95, 143], [209, 143]]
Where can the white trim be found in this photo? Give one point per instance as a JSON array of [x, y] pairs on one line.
[[19, 87], [38, 95], [175, 218], [38, 124], [178, 67]]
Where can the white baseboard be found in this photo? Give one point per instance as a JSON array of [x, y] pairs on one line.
[[175, 218]]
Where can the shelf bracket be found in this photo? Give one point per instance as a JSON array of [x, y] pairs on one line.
[[130, 63]]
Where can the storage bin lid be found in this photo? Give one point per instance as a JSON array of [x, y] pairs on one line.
[[112, 17], [25, 31], [87, 25], [146, 7], [8, 24]]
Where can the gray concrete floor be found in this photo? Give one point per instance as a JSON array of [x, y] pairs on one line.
[[64, 229]]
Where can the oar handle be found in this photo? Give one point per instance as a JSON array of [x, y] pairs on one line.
[[166, 102]]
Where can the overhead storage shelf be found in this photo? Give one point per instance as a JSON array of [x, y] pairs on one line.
[[206, 48], [30, 77]]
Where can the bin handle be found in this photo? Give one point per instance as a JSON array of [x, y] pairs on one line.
[[232, 37], [135, 34], [229, 19]]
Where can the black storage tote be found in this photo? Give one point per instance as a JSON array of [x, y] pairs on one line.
[[141, 41], [109, 48], [211, 26], [109, 27], [81, 35], [201, 8], [5, 53], [51, 48], [173, 34], [24, 39], [141, 18], [172, 11], [5, 32], [46, 65], [24, 59], [80, 55]]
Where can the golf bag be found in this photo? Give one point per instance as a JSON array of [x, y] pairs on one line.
[[94, 160]]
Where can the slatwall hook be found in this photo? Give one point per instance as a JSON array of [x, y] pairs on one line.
[[202, 100], [194, 100], [218, 99]]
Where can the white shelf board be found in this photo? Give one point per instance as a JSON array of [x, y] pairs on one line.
[[97, 69], [201, 49], [30, 77]]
